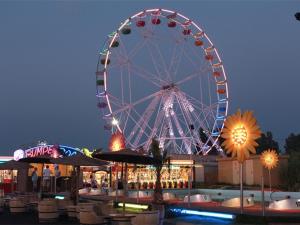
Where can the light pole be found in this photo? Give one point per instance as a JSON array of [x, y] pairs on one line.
[[240, 132], [269, 160]]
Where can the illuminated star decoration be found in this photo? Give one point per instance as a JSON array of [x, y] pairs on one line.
[[117, 141], [240, 132], [269, 159]]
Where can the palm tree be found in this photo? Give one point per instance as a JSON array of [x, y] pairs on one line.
[[161, 156]]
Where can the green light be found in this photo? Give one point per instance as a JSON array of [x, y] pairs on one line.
[[133, 206]]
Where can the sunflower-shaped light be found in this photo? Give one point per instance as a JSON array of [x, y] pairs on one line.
[[240, 132], [269, 159]]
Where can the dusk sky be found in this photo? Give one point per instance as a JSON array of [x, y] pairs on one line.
[[49, 51]]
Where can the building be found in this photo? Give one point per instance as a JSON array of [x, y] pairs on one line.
[[228, 171]]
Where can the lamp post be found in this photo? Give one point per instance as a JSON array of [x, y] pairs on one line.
[[240, 132]]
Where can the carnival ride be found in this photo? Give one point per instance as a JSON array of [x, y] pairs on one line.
[[160, 76]]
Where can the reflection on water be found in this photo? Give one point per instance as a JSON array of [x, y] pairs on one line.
[[199, 220], [191, 220]]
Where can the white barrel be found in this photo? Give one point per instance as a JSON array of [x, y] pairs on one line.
[[107, 208], [16, 205], [84, 207], [90, 218], [62, 205], [146, 218], [71, 210], [47, 210]]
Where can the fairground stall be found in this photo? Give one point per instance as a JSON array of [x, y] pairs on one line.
[[175, 174], [7, 177], [55, 151]]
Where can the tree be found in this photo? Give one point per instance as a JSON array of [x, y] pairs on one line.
[[265, 142], [290, 173], [292, 143], [161, 156]]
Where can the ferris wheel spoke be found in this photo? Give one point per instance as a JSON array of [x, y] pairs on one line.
[[131, 105], [187, 105], [186, 110], [159, 117], [136, 49], [195, 64], [162, 59], [175, 60], [143, 121], [126, 120], [129, 83], [181, 133], [136, 122], [155, 63], [193, 75], [146, 119], [139, 71]]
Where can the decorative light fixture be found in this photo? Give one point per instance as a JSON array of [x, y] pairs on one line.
[[115, 122], [269, 159], [117, 141], [240, 132], [133, 206]]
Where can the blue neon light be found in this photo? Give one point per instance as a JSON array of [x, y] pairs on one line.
[[68, 151], [59, 197], [201, 213]]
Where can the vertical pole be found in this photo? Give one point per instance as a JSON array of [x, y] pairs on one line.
[[55, 184], [189, 189], [138, 188], [77, 184], [12, 181], [241, 189], [270, 181], [117, 181], [262, 195]]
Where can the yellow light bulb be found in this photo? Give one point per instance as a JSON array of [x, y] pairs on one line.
[[239, 135]]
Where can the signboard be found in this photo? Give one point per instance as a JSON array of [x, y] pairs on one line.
[[54, 151]]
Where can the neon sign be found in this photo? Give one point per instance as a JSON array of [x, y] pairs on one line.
[[54, 151], [44, 150]]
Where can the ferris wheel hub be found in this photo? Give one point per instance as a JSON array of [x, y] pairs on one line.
[[168, 87]]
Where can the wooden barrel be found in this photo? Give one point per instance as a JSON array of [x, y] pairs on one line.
[[47, 210], [16, 206], [62, 206], [146, 218], [121, 221], [71, 211], [89, 218], [107, 208], [84, 207]]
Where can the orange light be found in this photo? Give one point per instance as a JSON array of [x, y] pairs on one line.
[[240, 132], [117, 142], [269, 159]]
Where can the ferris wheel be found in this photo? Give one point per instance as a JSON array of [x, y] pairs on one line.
[[160, 76]]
